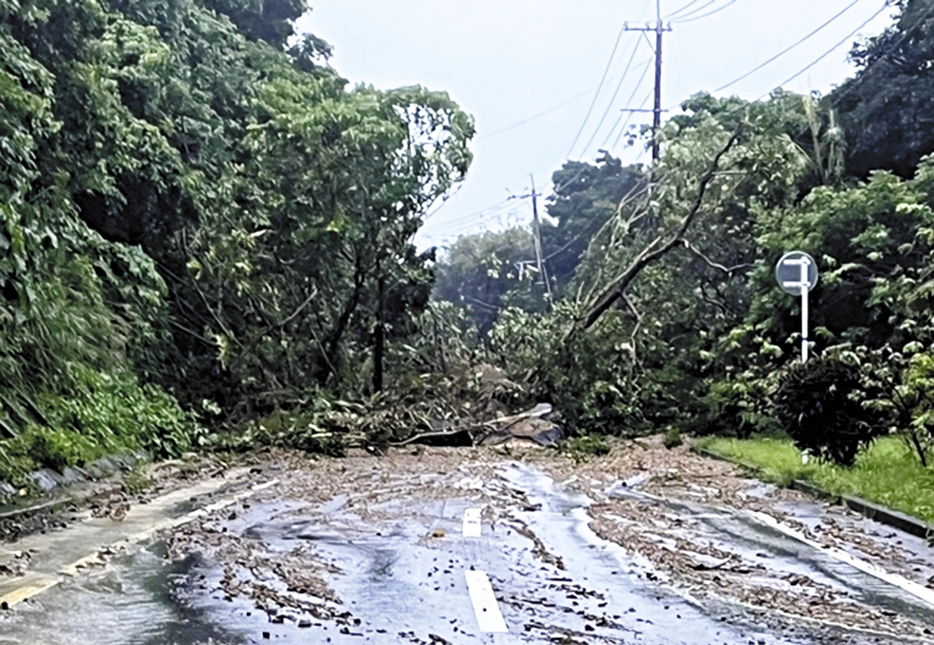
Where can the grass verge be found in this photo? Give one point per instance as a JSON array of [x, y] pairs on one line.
[[887, 472]]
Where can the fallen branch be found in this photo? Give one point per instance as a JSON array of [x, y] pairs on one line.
[[716, 265], [444, 437], [658, 249]]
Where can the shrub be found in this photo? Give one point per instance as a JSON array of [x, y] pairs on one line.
[[818, 404]]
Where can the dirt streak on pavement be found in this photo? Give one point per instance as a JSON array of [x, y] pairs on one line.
[[289, 554]]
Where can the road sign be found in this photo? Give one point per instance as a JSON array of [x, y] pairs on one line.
[[796, 268], [796, 274]]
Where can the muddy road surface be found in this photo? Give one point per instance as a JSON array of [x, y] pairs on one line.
[[494, 545]]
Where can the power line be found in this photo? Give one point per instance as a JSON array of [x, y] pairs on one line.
[[589, 229], [706, 15], [479, 215], [787, 49], [442, 204], [629, 113], [585, 166], [613, 98], [687, 6], [700, 8], [536, 116], [659, 30], [831, 50], [894, 46], [623, 130], [597, 93]]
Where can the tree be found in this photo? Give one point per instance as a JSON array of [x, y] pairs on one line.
[[585, 197], [884, 108], [486, 273], [187, 207]]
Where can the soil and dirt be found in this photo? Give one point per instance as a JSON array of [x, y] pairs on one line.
[[304, 553]]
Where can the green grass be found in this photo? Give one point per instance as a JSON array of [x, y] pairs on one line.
[[887, 472]]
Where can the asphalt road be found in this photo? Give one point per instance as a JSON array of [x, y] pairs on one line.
[[445, 549]]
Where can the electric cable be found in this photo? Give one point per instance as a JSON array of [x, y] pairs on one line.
[[829, 51], [597, 93], [700, 8], [570, 181], [787, 49], [620, 135], [628, 113], [706, 15], [536, 116], [612, 98], [685, 7], [476, 216], [868, 69]]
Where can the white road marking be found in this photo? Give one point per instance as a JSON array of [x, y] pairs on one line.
[[489, 617], [904, 584], [472, 525]]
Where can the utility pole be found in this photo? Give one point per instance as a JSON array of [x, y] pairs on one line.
[[537, 238], [659, 30], [537, 233]]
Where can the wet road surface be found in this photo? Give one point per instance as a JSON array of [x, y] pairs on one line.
[[498, 554]]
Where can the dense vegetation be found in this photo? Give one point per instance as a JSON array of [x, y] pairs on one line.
[[669, 316], [204, 228], [200, 222]]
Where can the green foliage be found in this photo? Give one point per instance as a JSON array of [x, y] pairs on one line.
[[818, 404], [315, 431], [886, 473], [586, 196], [586, 447], [187, 209], [652, 361], [589, 378], [884, 107], [486, 273], [101, 414], [673, 437]]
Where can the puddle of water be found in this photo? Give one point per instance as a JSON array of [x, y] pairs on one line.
[[139, 599]]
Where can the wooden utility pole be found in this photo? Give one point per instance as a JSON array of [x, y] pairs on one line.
[[537, 239], [659, 30], [537, 234]]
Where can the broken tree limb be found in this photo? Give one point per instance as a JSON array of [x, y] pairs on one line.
[[658, 249], [716, 265], [456, 437]]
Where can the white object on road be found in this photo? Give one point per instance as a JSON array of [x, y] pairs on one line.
[[489, 617], [472, 526], [919, 591]]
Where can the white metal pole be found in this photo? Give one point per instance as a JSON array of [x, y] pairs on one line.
[[804, 325], [805, 287]]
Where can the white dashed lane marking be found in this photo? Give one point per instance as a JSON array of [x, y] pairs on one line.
[[472, 522], [489, 617]]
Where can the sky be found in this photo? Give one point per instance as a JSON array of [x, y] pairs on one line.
[[530, 72]]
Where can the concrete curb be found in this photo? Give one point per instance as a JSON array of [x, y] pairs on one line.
[[54, 505], [887, 516]]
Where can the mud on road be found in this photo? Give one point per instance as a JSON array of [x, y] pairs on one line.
[[511, 544]]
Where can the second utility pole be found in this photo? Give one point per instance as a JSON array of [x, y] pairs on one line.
[[659, 30], [537, 240]]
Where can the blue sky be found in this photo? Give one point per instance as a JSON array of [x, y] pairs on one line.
[[508, 61]]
